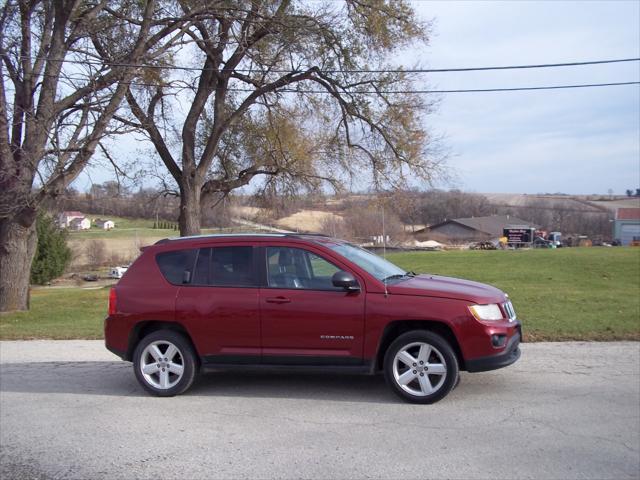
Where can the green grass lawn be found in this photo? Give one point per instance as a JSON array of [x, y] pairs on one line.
[[564, 294], [58, 313]]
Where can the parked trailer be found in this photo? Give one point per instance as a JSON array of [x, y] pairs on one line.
[[519, 236], [117, 272]]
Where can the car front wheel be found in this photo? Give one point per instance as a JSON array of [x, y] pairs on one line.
[[164, 363], [421, 367]]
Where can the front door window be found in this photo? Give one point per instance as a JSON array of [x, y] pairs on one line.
[[300, 269]]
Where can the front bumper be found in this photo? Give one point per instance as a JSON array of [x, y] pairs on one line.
[[510, 355]]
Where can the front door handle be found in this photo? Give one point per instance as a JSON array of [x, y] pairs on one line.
[[278, 300]]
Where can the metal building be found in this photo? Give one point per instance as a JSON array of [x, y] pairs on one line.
[[626, 226]]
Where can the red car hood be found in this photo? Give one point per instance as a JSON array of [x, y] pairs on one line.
[[437, 286]]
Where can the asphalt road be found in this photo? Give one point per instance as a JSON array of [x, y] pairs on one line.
[[70, 409]]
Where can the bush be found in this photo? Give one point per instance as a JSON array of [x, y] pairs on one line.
[[96, 253], [52, 253], [116, 259]]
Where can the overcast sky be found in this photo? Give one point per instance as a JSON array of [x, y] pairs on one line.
[[577, 141], [572, 141]]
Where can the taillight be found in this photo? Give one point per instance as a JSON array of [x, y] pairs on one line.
[[112, 301]]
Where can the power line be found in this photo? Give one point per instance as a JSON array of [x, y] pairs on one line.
[[471, 90], [506, 67], [398, 70], [513, 89], [383, 92]]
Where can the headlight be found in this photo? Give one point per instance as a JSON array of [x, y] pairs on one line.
[[486, 312]]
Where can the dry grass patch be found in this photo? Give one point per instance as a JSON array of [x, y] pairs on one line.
[[307, 220]]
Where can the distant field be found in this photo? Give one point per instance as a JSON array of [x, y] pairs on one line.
[[307, 220], [123, 241], [564, 294], [125, 228]]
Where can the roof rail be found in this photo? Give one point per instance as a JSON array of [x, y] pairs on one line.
[[218, 235], [299, 234]]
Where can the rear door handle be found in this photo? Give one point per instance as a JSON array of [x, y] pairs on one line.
[[278, 300]]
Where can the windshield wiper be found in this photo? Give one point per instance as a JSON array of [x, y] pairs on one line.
[[396, 276]]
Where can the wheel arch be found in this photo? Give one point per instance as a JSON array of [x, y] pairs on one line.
[[144, 328], [396, 328]]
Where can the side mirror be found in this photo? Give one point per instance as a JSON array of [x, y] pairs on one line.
[[345, 280]]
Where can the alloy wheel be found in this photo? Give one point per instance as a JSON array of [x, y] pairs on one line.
[[419, 369], [162, 364]]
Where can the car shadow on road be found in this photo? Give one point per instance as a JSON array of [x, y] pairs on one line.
[[93, 378], [306, 386], [117, 379]]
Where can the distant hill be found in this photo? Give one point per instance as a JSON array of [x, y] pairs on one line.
[[592, 203]]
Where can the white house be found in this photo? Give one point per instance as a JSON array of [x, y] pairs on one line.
[[80, 224], [65, 218], [104, 224]]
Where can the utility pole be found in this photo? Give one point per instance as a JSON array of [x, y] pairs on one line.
[[384, 235]]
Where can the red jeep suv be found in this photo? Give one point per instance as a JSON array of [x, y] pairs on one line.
[[302, 302]]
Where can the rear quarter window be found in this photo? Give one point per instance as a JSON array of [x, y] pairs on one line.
[[177, 266]]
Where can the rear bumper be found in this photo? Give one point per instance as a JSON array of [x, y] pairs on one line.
[[115, 351], [510, 355], [115, 336]]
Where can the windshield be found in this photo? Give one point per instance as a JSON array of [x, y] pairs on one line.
[[373, 264]]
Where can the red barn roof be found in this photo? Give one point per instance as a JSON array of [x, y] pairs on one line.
[[628, 214]]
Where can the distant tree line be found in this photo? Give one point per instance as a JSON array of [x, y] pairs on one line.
[[163, 225], [556, 215], [406, 210], [114, 199]]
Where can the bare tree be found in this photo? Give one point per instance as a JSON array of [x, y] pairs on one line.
[[65, 66], [436, 206], [96, 253], [337, 227], [406, 203], [221, 115]]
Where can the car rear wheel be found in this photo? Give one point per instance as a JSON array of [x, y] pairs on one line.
[[421, 367], [164, 363]]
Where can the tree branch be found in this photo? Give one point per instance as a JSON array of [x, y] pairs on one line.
[[148, 123]]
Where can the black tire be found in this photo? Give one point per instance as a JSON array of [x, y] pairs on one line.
[[440, 355], [184, 357]]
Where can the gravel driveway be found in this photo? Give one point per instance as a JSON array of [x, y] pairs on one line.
[[70, 409]]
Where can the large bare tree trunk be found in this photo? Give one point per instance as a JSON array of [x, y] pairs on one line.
[[18, 239], [51, 124], [189, 219]]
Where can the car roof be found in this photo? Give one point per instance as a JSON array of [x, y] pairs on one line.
[[312, 237]]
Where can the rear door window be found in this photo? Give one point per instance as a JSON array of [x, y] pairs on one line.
[[201, 273], [225, 266]]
